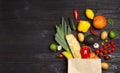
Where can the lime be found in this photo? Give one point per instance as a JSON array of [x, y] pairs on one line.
[[53, 47], [112, 34]]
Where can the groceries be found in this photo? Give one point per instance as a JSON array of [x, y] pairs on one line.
[[85, 39]]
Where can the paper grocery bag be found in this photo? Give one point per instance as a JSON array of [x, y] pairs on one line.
[[84, 65]]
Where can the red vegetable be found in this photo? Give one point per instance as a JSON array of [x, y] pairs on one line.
[[106, 49], [85, 52], [60, 55], [93, 32], [106, 57], [75, 12]]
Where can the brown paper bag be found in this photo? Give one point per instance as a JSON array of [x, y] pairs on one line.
[[84, 65]]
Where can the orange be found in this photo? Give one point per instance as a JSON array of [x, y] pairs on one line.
[[99, 22]]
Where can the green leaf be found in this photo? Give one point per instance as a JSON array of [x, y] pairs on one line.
[[111, 21], [61, 42], [69, 30], [59, 32]]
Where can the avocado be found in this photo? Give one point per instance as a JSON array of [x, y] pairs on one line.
[[91, 39]]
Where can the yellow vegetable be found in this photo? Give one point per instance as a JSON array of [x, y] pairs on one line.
[[89, 13], [67, 54], [81, 37], [74, 45], [104, 35], [105, 65], [83, 26]]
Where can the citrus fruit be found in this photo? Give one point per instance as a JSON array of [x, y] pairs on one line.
[[53, 47], [89, 13], [99, 22], [112, 34]]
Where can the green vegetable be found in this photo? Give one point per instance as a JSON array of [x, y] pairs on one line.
[[53, 47], [91, 39], [111, 21], [72, 23], [61, 31]]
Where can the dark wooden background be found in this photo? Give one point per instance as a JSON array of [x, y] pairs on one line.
[[27, 28]]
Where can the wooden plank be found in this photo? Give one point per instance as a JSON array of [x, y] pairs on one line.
[[27, 28]]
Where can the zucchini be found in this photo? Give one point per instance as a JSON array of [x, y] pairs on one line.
[[72, 23]]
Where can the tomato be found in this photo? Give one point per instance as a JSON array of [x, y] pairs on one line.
[[109, 51], [97, 51], [102, 49], [85, 52], [107, 57], [113, 49], [105, 52], [108, 45], [101, 54]]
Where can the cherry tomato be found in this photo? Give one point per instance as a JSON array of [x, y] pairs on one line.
[[113, 49], [107, 57], [75, 12], [97, 51], [101, 54], [105, 47], [105, 52], [114, 45], [102, 49], [109, 51], [108, 45]]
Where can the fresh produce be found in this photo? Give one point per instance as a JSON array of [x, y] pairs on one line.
[[106, 49], [95, 45], [91, 39], [75, 12], [60, 55], [93, 55], [112, 34], [102, 43], [59, 47], [111, 21], [74, 45], [61, 31], [67, 54], [104, 65], [89, 13], [99, 22], [72, 23], [53, 47], [107, 57], [71, 37], [85, 52], [83, 26], [81, 37], [93, 32], [106, 40], [104, 35]]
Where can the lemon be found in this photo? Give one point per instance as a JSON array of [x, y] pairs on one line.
[[89, 13]]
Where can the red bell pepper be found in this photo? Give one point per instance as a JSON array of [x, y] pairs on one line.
[[85, 52]]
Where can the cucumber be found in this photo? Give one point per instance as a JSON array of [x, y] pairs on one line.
[[72, 23]]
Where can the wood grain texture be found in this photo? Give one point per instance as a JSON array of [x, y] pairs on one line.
[[27, 28]]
